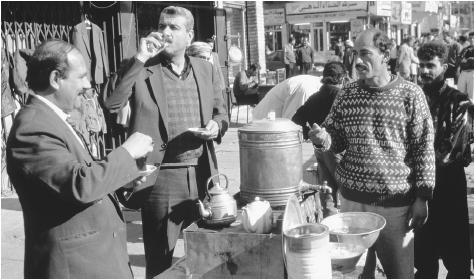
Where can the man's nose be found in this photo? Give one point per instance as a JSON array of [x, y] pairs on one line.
[[358, 60]]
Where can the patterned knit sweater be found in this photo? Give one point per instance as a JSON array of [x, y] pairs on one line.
[[387, 134]]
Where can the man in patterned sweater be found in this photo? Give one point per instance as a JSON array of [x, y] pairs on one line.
[[446, 233], [384, 125]]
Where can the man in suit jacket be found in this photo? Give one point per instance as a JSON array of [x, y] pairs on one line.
[[73, 225], [172, 93]]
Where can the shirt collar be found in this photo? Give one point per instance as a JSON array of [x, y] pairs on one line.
[[187, 67], [64, 116]]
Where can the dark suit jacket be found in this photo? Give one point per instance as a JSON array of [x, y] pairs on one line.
[[81, 39], [73, 225], [150, 110]]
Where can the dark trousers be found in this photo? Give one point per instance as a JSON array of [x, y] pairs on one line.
[[305, 67], [393, 64], [446, 233], [290, 70], [169, 207]]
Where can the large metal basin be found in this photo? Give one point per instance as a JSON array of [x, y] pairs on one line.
[[355, 228]]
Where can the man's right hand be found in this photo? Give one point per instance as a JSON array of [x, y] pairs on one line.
[[150, 46], [138, 145], [317, 135]]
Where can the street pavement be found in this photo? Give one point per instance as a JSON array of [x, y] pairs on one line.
[[12, 245]]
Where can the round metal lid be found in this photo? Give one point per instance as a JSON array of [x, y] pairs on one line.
[[293, 216], [267, 125]]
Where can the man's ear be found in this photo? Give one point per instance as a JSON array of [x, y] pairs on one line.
[[445, 67], [54, 79], [190, 36]]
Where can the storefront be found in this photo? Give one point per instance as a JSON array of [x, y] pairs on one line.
[[274, 21], [324, 22], [401, 21]]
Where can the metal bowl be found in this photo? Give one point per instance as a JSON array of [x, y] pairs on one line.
[[355, 228], [344, 257]]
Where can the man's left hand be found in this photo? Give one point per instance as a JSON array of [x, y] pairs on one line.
[[418, 214], [212, 131]]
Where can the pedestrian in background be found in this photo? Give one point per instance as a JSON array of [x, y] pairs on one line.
[[339, 48], [446, 233], [349, 59], [246, 85], [414, 65], [405, 58], [454, 49], [305, 56], [172, 93], [290, 58], [388, 164], [393, 51], [286, 97], [71, 216], [466, 78]]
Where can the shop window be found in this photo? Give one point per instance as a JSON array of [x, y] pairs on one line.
[[273, 38], [338, 30]]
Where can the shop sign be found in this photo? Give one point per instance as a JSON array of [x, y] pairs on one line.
[[422, 6], [303, 18], [380, 8], [396, 12], [357, 26], [405, 16], [274, 16], [298, 8]]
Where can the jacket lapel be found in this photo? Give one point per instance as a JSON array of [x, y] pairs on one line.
[[154, 81], [204, 92]]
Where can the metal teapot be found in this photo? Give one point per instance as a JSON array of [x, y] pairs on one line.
[[222, 207]]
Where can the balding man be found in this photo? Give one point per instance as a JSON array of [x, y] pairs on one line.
[[73, 225]]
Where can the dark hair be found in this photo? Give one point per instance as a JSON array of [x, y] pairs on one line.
[[333, 73], [49, 56], [462, 39], [430, 50], [467, 58], [180, 11], [254, 66], [379, 39], [471, 33], [209, 40], [291, 40]]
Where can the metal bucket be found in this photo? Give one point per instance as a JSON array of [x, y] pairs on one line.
[[270, 160], [307, 252]]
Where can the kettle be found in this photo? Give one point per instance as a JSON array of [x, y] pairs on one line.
[[222, 207], [257, 216]]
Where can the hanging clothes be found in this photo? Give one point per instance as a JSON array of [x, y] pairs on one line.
[[20, 61], [87, 118], [8, 103], [90, 42]]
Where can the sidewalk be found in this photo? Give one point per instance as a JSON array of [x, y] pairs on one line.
[[228, 158]]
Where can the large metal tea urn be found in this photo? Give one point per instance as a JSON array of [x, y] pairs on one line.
[[270, 160]]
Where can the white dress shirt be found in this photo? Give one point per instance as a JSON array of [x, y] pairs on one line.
[[62, 115]]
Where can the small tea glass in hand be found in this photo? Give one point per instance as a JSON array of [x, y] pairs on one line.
[[163, 42]]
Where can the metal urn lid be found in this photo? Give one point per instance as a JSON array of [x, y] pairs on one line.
[[278, 125]]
